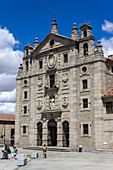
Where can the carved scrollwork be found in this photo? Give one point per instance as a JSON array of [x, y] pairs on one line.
[[40, 81], [51, 59]]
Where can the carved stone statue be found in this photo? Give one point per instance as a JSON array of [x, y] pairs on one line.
[[52, 103], [65, 77], [39, 104], [65, 101]]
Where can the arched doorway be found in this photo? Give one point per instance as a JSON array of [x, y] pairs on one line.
[[65, 134], [39, 134], [52, 133]]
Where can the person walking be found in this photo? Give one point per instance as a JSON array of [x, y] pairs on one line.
[[44, 151]]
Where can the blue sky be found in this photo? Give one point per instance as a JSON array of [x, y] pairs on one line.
[[21, 21]]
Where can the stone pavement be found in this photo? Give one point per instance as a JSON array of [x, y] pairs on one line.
[[63, 161]]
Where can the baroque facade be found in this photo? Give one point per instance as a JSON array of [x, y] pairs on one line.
[[60, 92]]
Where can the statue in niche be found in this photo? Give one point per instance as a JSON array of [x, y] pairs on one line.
[[65, 101], [39, 103], [52, 102], [40, 81], [65, 77]]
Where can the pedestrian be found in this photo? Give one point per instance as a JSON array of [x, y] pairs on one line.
[[15, 150], [45, 151]]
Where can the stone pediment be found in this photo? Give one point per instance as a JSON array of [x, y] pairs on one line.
[[53, 41]]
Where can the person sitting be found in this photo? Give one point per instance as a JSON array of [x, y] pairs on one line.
[[6, 151], [15, 150]]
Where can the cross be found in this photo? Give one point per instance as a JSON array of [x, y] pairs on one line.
[[55, 14]]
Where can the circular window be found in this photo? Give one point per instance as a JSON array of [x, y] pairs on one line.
[[51, 42], [84, 69], [25, 81]]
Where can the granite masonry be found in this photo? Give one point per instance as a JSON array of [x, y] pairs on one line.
[[61, 93]]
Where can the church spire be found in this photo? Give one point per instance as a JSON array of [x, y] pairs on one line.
[[54, 27]]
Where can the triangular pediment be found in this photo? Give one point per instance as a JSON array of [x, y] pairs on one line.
[[53, 41]]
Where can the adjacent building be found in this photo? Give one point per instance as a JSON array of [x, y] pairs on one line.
[[61, 92], [7, 129]]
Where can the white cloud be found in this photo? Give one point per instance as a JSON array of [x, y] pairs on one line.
[[107, 46], [8, 96], [108, 26], [8, 108], [10, 60], [7, 82]]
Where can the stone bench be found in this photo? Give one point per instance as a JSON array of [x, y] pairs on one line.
[[34, 155], [21, 159]]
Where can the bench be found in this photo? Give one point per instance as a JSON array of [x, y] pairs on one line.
[[34, 155], [21, 159]]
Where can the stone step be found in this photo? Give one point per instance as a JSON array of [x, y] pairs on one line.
[[56, 149]]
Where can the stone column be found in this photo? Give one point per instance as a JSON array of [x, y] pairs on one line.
[[44, 132], [59, 132]]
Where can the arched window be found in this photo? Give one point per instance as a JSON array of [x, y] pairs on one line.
[[27, 65], [85, 33], [85, 47]]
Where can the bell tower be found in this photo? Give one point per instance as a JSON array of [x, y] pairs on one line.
[[87, 44]]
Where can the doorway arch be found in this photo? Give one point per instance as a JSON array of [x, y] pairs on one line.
[[39, 134], [65, 134], [52, 133]]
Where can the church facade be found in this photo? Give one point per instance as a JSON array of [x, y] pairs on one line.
[[61, 92]]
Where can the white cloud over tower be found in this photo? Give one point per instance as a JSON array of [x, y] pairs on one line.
[[10, 60]]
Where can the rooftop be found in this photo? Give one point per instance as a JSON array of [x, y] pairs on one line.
[[7, 117]]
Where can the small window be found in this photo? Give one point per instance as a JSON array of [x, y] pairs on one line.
[[85, 103], [25, 82], [111, 69], [85, 33], [85, 129], [40, 64], [84, 82], [65, 58], [84, 69], [25, 95], [51, 42], [24, 129], [25, 109], [52, 80], [109, 108], [85, 47], [27, 65], [12, 133]]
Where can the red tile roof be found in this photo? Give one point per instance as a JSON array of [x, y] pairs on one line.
[[7, 117], [109, 92]]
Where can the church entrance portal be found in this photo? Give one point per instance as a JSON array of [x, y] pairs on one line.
[[52, 133]]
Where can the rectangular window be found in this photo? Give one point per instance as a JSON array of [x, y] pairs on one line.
[[52, 80], [25, 109], [25, 95], [40, 64], [84, 82], [109, 107], [24, 129], [12, 133], [85, 129], [65, 58], [85, 103]]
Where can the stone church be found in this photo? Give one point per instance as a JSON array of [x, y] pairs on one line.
[[64, 94]]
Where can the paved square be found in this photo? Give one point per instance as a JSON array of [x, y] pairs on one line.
[[63, 161]]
